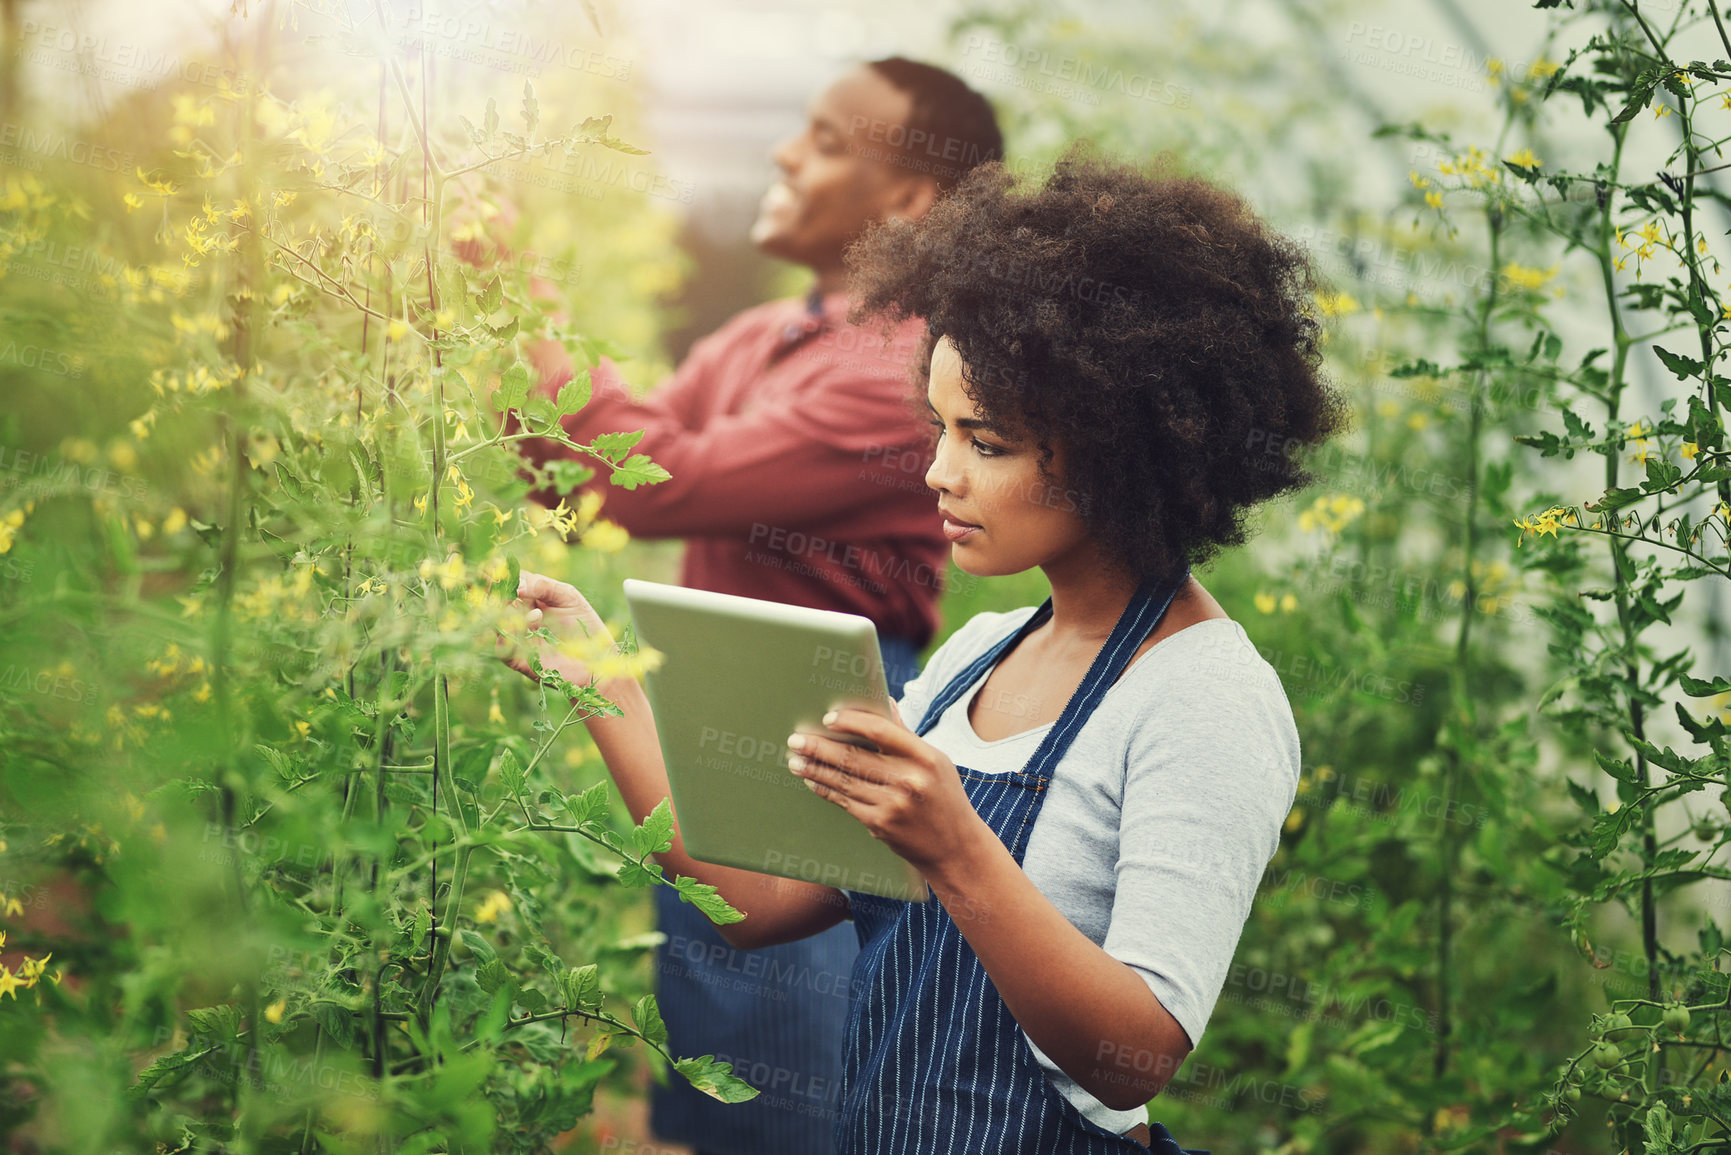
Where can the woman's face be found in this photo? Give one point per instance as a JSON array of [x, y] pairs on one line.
[[1001, 514]]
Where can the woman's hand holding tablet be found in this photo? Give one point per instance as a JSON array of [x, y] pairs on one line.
[[908, 793]]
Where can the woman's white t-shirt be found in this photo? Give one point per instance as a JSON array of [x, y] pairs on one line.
[[1160, 818]]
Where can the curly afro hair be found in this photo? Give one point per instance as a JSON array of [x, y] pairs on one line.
[[1149, 323]]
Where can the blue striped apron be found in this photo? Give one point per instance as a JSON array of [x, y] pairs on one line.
[[776, 1015], [934, 1060]]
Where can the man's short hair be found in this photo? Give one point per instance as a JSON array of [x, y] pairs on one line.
[[950, 129]]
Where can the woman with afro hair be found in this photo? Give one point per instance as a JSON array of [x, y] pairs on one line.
[[1117, 368]]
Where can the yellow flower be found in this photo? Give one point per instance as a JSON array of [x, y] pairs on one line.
[[1417, 180], [1524, 159], [275, 1010], [302, 729], [494, 569], [1266, 603], [1331, 513], [1336, 304], [495, 716], [175, 521], [495, 904], [9, 983], [1433, 199], [1294, 820], [1661, 112], [450, 572], [1288, 603], [1522, 277], [132, 201], [606, 536], [1418, 421], [1689, 450], [1542, 69], [1543, 523]]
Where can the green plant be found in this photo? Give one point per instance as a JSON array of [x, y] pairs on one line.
[[325, 893]]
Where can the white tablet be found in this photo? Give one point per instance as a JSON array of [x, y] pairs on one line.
[[738, 675]]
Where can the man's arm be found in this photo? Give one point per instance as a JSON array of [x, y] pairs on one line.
[[763, 467]]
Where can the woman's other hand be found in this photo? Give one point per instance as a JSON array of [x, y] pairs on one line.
[[568, 616]]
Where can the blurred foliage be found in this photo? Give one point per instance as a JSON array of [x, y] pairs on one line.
[[289, 860]]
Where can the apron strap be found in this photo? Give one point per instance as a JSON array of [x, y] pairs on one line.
[[1147, 606]]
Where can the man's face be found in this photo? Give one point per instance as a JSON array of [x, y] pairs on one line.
[[835, 178]]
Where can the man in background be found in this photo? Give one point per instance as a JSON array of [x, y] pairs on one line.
[[798, 458]]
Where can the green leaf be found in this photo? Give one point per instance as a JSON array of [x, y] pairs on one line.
[[574, 394], [614, 446], [1661, 474], [1700, 731], [566, 475], [656, 833], [1616, 499], [1683, 366], [1639, 96], [1618, 768], [492, 296], [511, 771], [707, 899], [1696, 688], [531, 109], [491, 975], [583, 988], [419, 928], [715, 1079], [513, 389], [480, 947], [1658, 1132], [179, 1063], [647, 1018], [638, 470], [216, 1022], [590, 807], [639, 874]]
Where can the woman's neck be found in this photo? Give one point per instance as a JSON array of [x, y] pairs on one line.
[[1088, 597]]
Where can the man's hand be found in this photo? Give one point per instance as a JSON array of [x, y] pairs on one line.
[[571, 620]]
